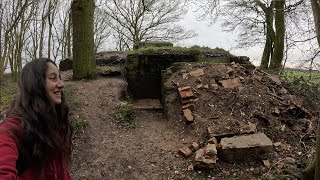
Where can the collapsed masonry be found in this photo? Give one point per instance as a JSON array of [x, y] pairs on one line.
[[241, 111]]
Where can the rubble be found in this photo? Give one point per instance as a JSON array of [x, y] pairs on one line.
[[206, 158], [240, 112]]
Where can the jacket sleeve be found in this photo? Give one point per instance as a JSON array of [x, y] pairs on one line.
[[8, 153]]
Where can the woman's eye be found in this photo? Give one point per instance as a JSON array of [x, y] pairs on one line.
[[52, 78]]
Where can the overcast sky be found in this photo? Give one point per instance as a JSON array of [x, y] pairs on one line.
[[213, 36]]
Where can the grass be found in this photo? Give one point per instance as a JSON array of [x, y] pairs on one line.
[[78, 121], [124, 115], [312, 77], [8, 90], [306, 85], [177, 50]]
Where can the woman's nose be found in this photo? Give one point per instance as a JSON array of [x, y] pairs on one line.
[[60, 84]]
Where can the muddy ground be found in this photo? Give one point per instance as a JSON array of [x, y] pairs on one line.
[[107, 150]]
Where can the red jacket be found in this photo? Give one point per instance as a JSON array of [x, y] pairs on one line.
[[9, 155]]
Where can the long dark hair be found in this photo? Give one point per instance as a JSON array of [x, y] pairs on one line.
[[46, 130]]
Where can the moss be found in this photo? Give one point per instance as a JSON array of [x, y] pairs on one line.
[[164, 50], [132, 62]]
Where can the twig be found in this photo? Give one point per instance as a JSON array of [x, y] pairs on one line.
[[281, 98]]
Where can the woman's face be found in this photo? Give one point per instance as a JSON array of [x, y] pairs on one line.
[[54, 84]]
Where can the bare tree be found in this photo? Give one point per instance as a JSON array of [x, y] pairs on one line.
[[257, 22], [277, 56], [138, 20], [102, 29], [11, 14]]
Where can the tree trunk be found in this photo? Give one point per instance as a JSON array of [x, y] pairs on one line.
[[267, 52], [44, 16], [317, 161], [316, 15], [277, 57], [313, 170], [69, 36], [84, 64]]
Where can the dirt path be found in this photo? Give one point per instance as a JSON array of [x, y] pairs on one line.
[[109, 151]]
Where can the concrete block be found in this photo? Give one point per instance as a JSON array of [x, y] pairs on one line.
[[245, 147]]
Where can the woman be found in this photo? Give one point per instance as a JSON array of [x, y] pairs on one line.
[[35, 138]]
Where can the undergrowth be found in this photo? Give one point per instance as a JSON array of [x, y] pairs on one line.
[[124, 115], [8, 90], [306, 86], [78, 121]]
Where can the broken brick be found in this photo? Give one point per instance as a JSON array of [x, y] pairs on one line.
[[266, 163], [230, 83], [194, 146], [211, 150], [188, 115], [185, 151], [248, 129], [186, 94], [202, 160], [190, 167], [197, 72]]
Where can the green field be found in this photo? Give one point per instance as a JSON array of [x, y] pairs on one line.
[[311, 77]]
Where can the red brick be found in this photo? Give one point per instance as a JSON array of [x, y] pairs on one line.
[[194, 146], [185, 151], [185, 94]]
